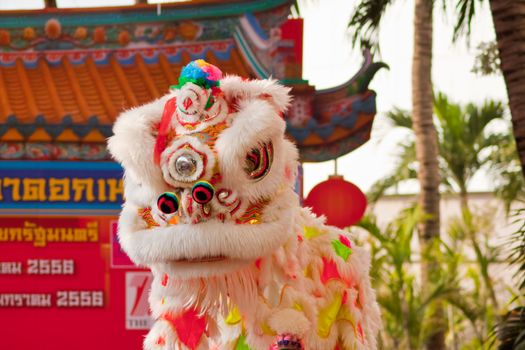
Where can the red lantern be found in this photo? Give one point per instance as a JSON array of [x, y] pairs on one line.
[[342, 202]]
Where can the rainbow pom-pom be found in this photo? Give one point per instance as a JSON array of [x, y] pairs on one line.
[[200, 73]]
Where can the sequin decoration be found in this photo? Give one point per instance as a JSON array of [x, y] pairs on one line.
[[241, 343], [327, 316], [189, 327], [311, 232], [165, 280], [145, 214], [161, 341], [233, 317], [253, 214], [342, 247], [330, 271]]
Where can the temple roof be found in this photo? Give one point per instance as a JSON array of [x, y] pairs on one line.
[[54, 92], [66, 74]]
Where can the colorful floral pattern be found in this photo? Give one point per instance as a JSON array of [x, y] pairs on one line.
[[53, 151]]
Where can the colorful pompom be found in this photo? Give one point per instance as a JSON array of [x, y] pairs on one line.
[[168, 203], [201, 73], [202, 192]]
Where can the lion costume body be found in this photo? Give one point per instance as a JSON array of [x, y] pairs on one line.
[[210, 209]]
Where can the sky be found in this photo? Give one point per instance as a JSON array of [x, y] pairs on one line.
[[330, 60]]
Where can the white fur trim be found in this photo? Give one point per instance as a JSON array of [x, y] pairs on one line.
[[133, 142], [207, 239], [235, 88], [289, 321]]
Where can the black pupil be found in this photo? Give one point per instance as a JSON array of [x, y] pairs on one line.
[[201, 195], [168, 206]]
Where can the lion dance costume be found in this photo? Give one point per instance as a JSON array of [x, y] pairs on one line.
[[210, 209]]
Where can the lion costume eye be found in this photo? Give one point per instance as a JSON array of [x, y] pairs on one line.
[[258, 161]]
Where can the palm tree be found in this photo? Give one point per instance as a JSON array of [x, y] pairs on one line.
[[509, 22], [477, 303], [465, 147], [405, 304], [365, 23], [511, 331], [466, 289]]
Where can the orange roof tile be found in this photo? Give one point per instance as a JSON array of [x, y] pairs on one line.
[[89, 92]]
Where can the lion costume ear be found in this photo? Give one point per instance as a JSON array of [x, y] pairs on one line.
[[256, 124], [133, 141], [237, 89]]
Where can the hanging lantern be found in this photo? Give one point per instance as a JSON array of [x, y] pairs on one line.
[[342, 202]]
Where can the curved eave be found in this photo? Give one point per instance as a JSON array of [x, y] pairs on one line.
[[342, 118], [347, 129], [357, 84], [336, 149], [137, 13]]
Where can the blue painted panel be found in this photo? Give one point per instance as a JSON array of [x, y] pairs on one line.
[[60, 185]]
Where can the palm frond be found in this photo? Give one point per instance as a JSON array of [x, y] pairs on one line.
[[487, 60], [504, 166], [365, 21], [461, 303], [511, 332], [404, 170], [479, 118], [400, 118], [466, 9], [517, 257], [368, 223]]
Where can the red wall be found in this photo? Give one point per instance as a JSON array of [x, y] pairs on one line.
[[60, 328]]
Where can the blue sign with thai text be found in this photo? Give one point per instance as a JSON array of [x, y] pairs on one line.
[[60, 185]]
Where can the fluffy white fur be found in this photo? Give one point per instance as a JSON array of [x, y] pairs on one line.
[[211, 238], [235, 88], [280, 322], [268, 279], [133, 141], [256, 123]]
